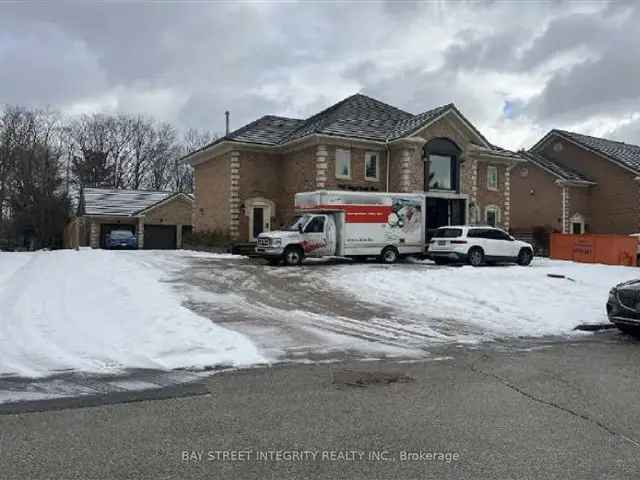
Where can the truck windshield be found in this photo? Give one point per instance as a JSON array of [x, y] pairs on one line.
[[299, 222]]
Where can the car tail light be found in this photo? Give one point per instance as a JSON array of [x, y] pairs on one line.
[[458, 242]]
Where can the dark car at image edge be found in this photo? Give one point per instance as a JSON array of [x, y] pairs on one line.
[[623, 306]]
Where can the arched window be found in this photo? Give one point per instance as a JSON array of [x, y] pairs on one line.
[[492, 215], [442, 170]]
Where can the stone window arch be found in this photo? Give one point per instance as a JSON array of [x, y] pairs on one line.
[[577, 224], [442, 165], [492, 215], [261, 212]]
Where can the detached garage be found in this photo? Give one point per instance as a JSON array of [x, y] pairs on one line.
[[158, 219]]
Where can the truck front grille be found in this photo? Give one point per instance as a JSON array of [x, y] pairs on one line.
[[263, 242]]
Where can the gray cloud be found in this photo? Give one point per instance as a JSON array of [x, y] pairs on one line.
[[515, 69]]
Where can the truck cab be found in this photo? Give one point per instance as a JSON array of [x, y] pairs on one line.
[[312, 234]]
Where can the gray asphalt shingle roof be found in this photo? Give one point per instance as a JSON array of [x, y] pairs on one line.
[[623, 153], [560, 171], [268, 130], [357, 116], [104, 201]]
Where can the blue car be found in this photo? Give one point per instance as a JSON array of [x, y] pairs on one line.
[[121, 239]]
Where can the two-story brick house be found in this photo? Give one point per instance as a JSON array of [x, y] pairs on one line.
[[574, 183], [245, 182]]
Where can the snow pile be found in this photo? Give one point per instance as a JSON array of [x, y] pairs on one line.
[[101, 311], [498, 301]]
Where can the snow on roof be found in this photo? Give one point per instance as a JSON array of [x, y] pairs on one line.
[[112, 202]]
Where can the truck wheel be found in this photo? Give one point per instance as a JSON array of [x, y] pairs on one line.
[[389, 255], [476, 256], [293, 256], [524, 257]]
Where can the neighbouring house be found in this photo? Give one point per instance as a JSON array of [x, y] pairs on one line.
[[573, 183], [245, 182], [547, 197], [158, 219]]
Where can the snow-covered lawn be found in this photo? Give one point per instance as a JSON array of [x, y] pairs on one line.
[[101, 311], [497, 300]]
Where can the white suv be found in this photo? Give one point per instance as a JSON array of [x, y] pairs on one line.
[[477, 244]]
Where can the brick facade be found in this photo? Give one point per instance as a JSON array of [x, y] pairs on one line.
[[609, 205], [484, 197], [233, 180], [212, 184], [536, 199], [612, 206]]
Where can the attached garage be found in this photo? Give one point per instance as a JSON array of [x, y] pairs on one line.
[[160, 237], [157, 219], [107, 228]]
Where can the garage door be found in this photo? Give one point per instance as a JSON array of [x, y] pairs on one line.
[[159, 237]]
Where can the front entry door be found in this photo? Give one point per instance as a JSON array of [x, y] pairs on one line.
[[260, 220]]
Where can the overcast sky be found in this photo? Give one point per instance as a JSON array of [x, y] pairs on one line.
[[515, 70]]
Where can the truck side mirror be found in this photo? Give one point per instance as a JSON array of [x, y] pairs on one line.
[[300, 228]]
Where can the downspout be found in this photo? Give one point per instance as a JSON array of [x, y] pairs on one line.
[[386, 145]]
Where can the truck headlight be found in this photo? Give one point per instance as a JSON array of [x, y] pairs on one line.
[[276, 242]]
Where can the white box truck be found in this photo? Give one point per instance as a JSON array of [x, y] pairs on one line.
[[349, 224]]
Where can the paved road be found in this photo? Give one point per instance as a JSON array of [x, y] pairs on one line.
[[555, 410]]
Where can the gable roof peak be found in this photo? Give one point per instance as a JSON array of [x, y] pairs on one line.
[[626, 155]]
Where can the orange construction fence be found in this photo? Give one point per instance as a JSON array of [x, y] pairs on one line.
[[607, 249]]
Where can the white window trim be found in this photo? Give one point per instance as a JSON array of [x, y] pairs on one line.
[[492, 168], [368, 155], [343, 177], [579, 219], [490, 208]]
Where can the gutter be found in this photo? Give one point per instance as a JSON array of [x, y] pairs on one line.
[[386, 145]]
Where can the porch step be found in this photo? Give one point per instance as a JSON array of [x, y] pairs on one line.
[[244, 248]]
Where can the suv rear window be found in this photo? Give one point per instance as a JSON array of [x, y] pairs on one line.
[[448, 233]]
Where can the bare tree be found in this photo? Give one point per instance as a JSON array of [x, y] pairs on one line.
[[121, 136], [34, 203], [166, 149], [194, 139], [141, 149], [43, 157], [181, 172], [92, 164]]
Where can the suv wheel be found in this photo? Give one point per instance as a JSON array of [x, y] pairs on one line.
[[389, 255], [476, 256], [293, 256], [524, 257]]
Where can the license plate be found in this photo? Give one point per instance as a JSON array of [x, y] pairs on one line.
[[441, 242]]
